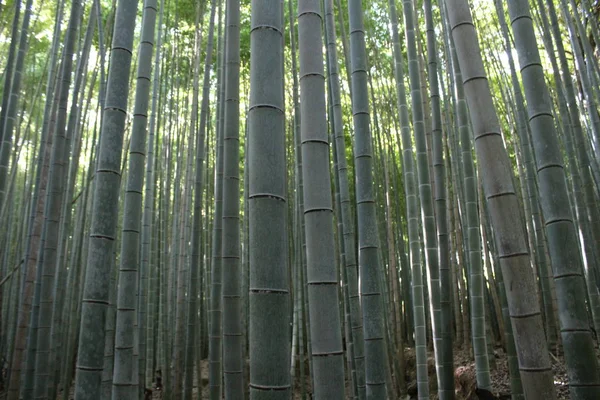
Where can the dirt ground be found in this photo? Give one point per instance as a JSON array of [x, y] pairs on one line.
[[465, 368]]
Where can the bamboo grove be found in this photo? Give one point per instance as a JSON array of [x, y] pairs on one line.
[[299, 199]]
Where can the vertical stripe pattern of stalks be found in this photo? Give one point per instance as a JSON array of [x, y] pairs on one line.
[[53, 213], [269, 282], [33, 249], [503, 208], [582, 364], [424, 182], [445, 356], [90, 355], [124, 383], [322, 280], [348, 232], [472, 236], [233, 364], [531, 183], [412, 210], [192, 352], [368, 242], [215, 344], [5, 149], [149, 200]]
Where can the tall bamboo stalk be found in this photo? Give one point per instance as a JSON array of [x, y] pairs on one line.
[[368, 254], [502, 201], [105, 209], [269, 297], [582, 364]]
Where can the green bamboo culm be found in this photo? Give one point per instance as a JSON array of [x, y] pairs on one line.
[[149, 199], [348, 232], [322, 280], [54, 209], [32, 248], [446, 369], [269, 297], [580, 162], [5, 149], [591, 269], [503, 204], [587, 66], [188, 354], [300, 240], [192, 350], [425, 192], [412, 213], [530, 178], [473, 234], [582, 364], [90, 355], [516, 387], [368, 242], [125, 384], [39, 198], [215, 344], [74, 134], [144, 77], [233, 364]]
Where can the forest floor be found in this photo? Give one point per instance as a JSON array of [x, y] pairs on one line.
[[465, 379]]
